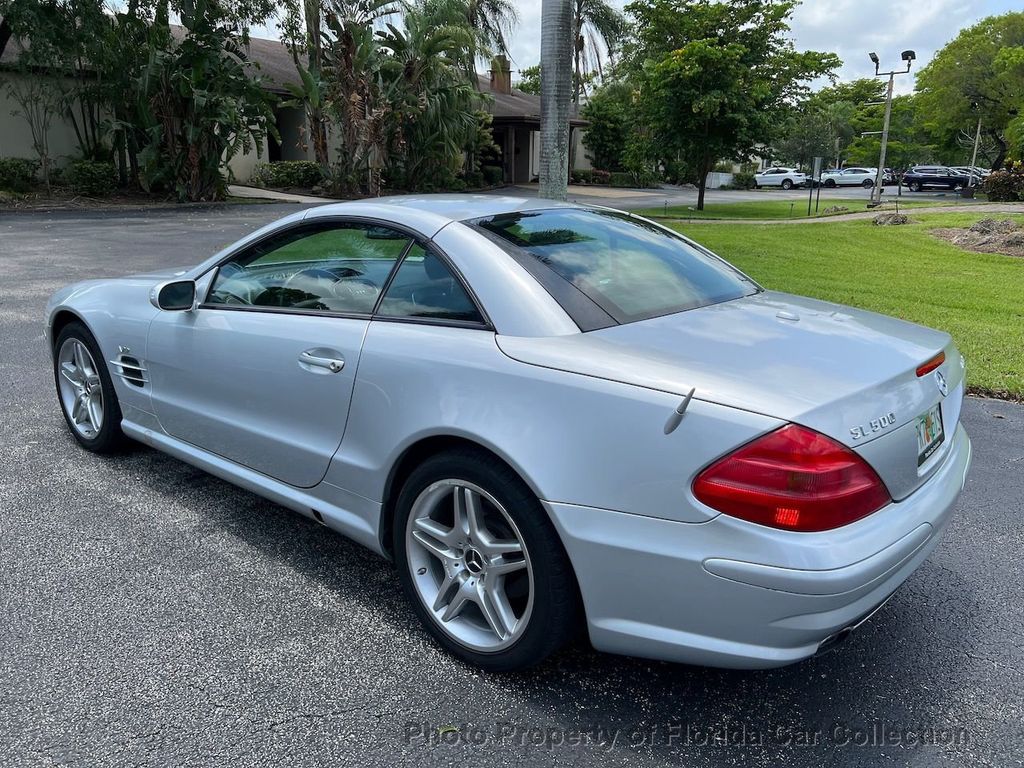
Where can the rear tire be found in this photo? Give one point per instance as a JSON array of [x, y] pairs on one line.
[[499, 593], [867, 183], [830, 183], [787, 184], [85, 391]]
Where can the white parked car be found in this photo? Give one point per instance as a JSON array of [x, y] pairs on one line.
[[787, 178], [850, 177]]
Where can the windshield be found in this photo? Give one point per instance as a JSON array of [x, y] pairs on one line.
[[630, 268]]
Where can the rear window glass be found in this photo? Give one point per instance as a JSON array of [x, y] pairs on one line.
[[629, 268]]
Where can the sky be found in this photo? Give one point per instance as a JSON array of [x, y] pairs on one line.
[[849, 28]]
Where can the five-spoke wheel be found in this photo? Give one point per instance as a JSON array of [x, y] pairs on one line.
[[482, 563], [470, 565], [85, 391], [80, 391]]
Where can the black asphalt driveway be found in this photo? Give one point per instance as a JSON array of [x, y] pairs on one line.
[[153, 615]]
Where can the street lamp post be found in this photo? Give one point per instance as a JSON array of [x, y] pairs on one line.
[[977, 138], [907, 56]]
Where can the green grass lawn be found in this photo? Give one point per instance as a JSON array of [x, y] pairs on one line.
[[902, 271], [775, 209]]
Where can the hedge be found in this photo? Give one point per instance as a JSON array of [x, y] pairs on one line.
[[288, 173], [17, 173], [92, 178]]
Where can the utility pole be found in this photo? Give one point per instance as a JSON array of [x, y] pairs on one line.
[[907, 56]]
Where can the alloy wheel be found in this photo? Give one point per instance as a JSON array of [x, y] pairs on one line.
[[470, 565], [81, 392]]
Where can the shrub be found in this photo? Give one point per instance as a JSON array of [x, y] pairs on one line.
[[580, 176], [92, 178], [17, 173], [646, 180], [621, 179], [601, 177], [743, 180], [288, 173], [493, 174], [1005, 186]]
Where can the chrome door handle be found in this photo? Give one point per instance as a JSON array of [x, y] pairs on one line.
[[332, 364]]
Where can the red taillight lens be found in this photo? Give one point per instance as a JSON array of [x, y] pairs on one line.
[[932, 364], [793, 478]]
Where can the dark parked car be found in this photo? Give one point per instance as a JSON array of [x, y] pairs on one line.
[[923, 176]]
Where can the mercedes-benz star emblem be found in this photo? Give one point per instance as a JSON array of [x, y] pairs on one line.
[[940, 381], [474, 561]]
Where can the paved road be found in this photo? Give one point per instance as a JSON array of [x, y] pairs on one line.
[[630, 199], [153, 615]]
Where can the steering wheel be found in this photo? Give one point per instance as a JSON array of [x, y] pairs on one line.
[[352, 287]]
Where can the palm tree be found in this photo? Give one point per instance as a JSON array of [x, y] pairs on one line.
[[433, 101], [490, 22], [493, 21], [555, 96], [596, 26]]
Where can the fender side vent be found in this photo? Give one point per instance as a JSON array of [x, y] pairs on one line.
[[130, 369]]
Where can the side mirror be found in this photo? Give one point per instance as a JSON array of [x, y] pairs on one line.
[[174, 295]]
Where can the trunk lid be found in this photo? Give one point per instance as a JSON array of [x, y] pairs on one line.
[[847, 373]]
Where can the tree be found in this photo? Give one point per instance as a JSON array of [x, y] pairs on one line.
[[555, 96], [529, 81], [38, 103], [596, 25], [434, 106], [610, 113], [909, 142], [202, 106], [302, 31], [489, 21], [979, 75], [715, 78]]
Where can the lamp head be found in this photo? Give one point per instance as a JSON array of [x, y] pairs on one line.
[[908, 56], [874, 58]]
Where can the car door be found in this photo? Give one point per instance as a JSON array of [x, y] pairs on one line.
[[262, 372]]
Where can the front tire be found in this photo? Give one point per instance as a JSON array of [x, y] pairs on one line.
[[482, 564], [914, 186], [85, 391]]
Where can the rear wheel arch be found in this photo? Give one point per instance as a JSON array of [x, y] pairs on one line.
[[416, 454]]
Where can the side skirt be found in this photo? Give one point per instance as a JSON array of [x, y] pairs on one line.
[[358, 519]]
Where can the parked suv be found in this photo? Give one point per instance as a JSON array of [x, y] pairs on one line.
[[787, 178], [850, 177], [922, 176]]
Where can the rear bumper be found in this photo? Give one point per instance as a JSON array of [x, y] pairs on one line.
[[733, 594]]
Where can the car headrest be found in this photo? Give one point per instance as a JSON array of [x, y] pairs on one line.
[[434, 267]]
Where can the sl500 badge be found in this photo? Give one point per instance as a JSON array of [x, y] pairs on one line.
[[875, 425]]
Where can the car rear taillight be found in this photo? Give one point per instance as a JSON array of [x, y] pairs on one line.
[[793, 478]]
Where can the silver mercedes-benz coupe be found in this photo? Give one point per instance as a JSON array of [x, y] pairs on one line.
[[550, 417]]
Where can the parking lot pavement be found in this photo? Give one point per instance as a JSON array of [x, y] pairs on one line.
[[151, 614], [671, 195]]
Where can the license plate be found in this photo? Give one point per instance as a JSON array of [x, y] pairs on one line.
[[929, 433]]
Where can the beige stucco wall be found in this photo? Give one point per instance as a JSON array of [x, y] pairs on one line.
[[243, 164], [15, 136]]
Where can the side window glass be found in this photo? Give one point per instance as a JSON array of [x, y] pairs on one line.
[[423, 286], [335, 268]]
